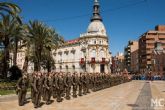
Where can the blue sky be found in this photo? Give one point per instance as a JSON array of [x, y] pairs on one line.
[[124, 19]]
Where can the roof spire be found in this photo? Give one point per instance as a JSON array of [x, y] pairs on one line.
[[96, 11]]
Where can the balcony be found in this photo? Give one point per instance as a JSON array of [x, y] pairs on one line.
[[93, 61], [82, 61]]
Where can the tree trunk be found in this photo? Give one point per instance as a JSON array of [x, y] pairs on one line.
[[48, 66], [15, 53], [48, 61], [37, 65], [6, 57], [25, 65]]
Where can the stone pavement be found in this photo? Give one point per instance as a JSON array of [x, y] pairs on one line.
[[135, 95]]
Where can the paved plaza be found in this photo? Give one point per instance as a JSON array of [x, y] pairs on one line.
[[134, 95]]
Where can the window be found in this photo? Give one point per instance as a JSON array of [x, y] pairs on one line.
[[150, 39], [60, 67], [66, 68], [93, 53], [150, 44], [73, 66], [94, 41], [102, 54], [54, 68], [100, 42], [161, 38], [152, 33]]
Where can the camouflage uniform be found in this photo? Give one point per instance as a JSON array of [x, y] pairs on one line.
[[48, 86], [84, 80], [94, 82], [87, 82], [22, 86], [38, 84], [75, 84], [54, 88], [60, 87], [32, 78], [80, 84], [68, 84]]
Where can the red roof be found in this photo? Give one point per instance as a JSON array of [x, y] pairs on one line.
[[72, 41]]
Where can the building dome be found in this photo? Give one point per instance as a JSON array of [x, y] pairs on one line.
[[96, 27]]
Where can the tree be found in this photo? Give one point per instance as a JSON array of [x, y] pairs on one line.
[[9, 8], [52, 43], [10, 30], [17, 37], [8, 15], [43, 39]]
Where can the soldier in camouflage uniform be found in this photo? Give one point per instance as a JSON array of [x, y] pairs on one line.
[[97, 81], [32, 78], [60, 87], [84, 79], [87, 82], [22, 86], [94, 82], [109, 79], [54, 88], [48, 86], [80, 84], [38, 84], [43, 91], [91, 80], [75, 84], [68, 84]]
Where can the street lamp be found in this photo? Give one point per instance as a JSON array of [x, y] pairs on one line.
[[85, 54], [84, 46]]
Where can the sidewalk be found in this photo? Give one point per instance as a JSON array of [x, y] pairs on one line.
[[134, 95], [11, 97]]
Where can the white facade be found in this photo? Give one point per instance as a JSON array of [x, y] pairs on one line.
[[77, 55]]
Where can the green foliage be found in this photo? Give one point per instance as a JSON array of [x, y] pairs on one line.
[[7, 92], [9, 9], [7, 84], [43, 39], [37, 38]]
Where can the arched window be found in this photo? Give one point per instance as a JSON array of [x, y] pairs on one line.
[[93, 53], [54, 68], [102, 54], [73, 66], [66, 68], [60, 68]]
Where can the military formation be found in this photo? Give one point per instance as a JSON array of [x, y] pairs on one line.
[[61, 85]]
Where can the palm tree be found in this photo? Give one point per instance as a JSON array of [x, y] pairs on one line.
[[43, 39], [53, 42], [10, 30], [10, 8], [17, 37], [8, 17]]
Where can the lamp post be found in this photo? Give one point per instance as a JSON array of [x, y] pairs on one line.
[[85, 60], [84, 46]]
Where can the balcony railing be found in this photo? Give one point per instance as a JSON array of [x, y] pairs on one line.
[[82, 61]]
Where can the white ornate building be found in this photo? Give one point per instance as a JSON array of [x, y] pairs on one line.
[[89, 52]]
